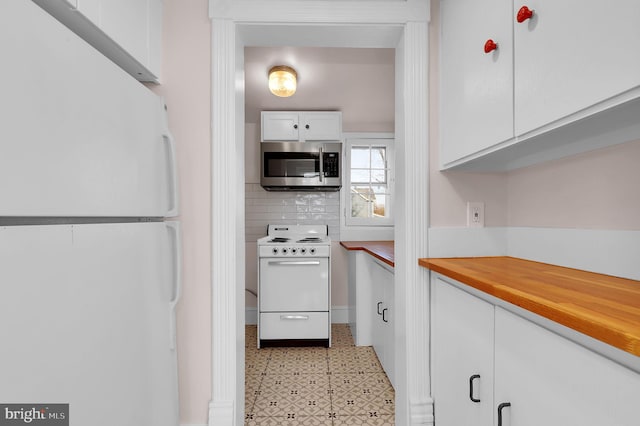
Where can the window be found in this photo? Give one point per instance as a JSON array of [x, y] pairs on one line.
[[369, 182]]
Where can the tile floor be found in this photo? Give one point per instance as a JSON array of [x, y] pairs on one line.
[[341, 385]]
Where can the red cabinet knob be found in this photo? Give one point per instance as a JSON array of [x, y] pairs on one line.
[[490, 46], [523, 14]]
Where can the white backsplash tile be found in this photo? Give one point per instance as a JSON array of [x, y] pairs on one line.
[[305, 208]]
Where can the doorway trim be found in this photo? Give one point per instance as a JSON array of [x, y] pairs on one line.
[[231, 22]]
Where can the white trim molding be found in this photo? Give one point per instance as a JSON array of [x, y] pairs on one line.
[[224, 228], [400, 24], [413, 400]]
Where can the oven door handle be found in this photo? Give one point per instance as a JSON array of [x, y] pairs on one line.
[[294, 262], [294, 317]]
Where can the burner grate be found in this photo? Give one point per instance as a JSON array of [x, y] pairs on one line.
[[279, 240]]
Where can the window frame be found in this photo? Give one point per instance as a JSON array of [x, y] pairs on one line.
[[374, 224]]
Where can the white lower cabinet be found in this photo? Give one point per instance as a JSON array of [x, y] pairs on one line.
[[462, 354], [382, 321], [493, 367]]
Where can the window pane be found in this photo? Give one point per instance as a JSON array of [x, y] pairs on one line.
[[380, 189], [378, 176], [361, 202], [379, 206], [378, 157], [360, 176], [370, 175], [360, 157]]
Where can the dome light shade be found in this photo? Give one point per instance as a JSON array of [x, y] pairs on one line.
[[282, 81]]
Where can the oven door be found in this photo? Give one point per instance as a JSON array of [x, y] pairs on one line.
[[294, 285]]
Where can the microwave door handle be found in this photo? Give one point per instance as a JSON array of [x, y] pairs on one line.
[[321, 165]]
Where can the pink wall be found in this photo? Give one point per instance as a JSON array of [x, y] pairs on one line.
[[186, 86], [595, 190]]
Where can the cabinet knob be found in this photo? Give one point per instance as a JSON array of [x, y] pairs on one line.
[[523, 14], [306, 127], [295, 126], [490, 46]]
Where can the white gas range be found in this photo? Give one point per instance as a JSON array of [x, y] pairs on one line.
[[294, 286]]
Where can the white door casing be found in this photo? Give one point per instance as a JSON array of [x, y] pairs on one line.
[[402, 25]]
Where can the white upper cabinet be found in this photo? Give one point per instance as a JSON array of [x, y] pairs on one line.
[[129, 32], [477, 87], [571, 55], [565, 80], [301, 126]]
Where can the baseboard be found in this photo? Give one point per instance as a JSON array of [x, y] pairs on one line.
[[193, 424], [221, 413], [339, 315], [251, 316]]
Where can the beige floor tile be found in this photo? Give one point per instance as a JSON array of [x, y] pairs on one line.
[[340, 385], [368, 420], [286, 421]]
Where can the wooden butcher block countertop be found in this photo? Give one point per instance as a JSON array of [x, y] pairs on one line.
[[382, 250], [604, 307]]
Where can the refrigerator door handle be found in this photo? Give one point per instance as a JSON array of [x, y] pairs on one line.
[[177, 280], [173, 165]]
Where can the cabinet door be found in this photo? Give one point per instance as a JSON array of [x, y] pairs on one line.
[[552, 381], [279, 126], [462, 349], [388, 325], [572, 55], [321, 126], [379, 304], [477, 88]]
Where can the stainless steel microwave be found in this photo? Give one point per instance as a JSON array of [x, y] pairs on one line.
[[301, 166]]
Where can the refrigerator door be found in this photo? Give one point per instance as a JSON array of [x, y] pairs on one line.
[[87, 314], [79, 136]]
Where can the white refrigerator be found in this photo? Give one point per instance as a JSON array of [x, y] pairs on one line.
[[89, 256]]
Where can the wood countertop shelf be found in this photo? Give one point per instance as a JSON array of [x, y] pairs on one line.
[[382, 250], [604, 307]]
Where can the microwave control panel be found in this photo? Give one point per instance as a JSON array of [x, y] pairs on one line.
[[330, 164]]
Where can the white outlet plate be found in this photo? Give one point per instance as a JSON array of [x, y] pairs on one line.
[[475, 214]]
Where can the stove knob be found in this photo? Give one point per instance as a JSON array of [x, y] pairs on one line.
[[312, 250], [284, 251], [294, 250], [303, 250], [275, 250]]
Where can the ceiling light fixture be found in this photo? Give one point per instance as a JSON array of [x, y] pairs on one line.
[[282, 80]]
